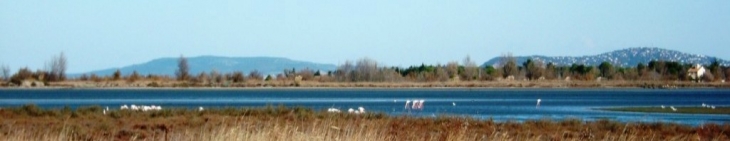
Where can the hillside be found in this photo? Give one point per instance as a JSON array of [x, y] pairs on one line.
[[265, 65], [624, 57]]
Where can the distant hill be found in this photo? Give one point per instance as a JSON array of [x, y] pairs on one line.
[[624, 57], [265, 65]]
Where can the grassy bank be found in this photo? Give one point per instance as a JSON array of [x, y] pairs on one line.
[[285, 123], [684, 110]]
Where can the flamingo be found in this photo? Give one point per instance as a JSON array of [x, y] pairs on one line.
[[415, 104], [408, 102], [333, 110], [420, 104], [362, 110], [538, 103]]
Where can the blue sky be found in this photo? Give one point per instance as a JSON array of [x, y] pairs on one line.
[[103, 34]]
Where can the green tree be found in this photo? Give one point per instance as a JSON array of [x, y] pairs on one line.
[[117, 75], [268, 78], [22, 74], [533, 69], [237, 77], [606, 69], [715, 69]]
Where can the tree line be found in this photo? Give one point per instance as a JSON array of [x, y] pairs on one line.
[[369, 70], [54, 70]]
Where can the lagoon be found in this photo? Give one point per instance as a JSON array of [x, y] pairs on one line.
[[497, 104]]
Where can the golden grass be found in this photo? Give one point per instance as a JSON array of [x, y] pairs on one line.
[[283, 123]]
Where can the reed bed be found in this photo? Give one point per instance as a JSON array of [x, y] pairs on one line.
[[297, 123]]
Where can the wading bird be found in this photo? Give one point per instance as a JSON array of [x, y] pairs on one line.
[[415, 104], [673, 109], [420, 104], [333, 110], [408, 102], [362, 110], [538, 103]]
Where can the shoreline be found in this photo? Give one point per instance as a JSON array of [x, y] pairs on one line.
[[262, 85], [680, 110]]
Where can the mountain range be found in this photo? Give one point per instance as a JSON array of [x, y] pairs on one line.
[[275, 65], [624, 57], [265, 65]]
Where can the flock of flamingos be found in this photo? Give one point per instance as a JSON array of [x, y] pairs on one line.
[[416, 104]]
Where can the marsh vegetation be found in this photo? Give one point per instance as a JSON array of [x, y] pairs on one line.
[[295, 123]]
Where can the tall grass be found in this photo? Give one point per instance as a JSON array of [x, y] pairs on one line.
[[297, 123]]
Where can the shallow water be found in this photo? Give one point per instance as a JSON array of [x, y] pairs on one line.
[[498, 104]]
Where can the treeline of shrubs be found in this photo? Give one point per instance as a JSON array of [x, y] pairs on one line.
[[368, 70]]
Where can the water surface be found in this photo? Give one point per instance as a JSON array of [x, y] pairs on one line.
[[498, 104]]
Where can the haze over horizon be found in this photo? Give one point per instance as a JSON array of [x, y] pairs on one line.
[[106, 34]]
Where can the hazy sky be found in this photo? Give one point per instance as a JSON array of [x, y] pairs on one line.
[[99, 34]]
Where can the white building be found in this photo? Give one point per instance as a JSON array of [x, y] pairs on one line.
[[696, 72]]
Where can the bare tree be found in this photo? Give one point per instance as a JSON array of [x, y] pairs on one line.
[[255, 75], [57, 67], [5, 72], [366, 69], [470, 69], [727, 74], [452, 69], [442, 74], [182, 72], [215, 76], [305, 74], [344, 72], [134, 76], [509, 65], [202, 77], [390, 75], [550, 71]]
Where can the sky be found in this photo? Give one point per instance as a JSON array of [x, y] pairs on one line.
[[101, 34]]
